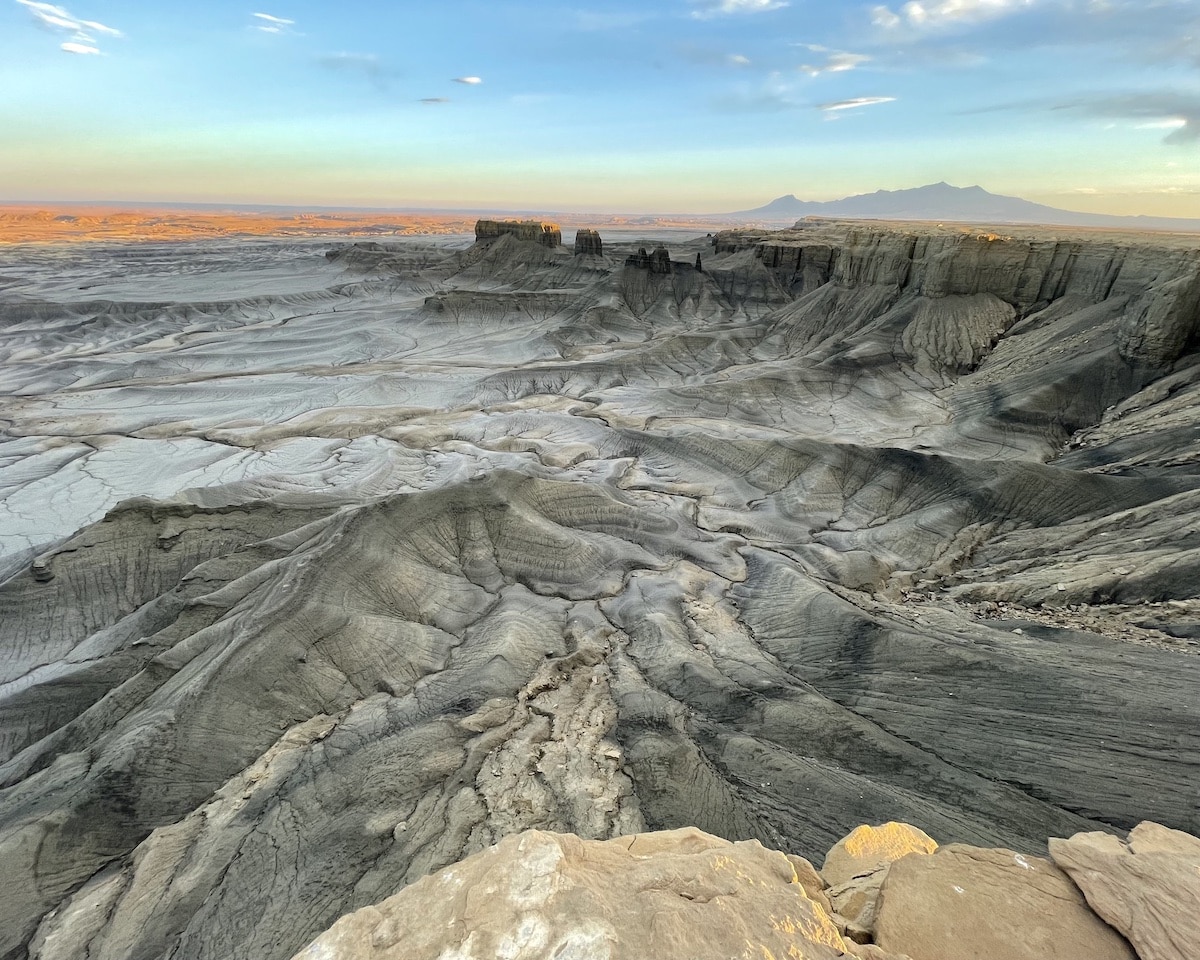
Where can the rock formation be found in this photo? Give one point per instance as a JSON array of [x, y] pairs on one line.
[[542, 896], [995, 903], [547, 234], [658, 262], [686, 894], [1146, 886], [856, 867], [588, 243], [320, 575]]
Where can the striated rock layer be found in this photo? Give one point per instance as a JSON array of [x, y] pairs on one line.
[[547, 234], [321, 573]]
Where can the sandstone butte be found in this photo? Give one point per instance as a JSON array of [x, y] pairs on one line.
[[686, 895]]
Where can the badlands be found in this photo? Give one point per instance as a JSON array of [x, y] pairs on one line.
[[326, 566]]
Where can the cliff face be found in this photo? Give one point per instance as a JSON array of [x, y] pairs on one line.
[[547, 234], [588, 243], [1157, 289]]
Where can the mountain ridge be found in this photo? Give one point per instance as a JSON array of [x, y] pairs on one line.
[[941, 201]]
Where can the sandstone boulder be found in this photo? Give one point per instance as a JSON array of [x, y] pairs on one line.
[[681, 893], [1147, 886], [866, 848], [857, 865], [964, 901]]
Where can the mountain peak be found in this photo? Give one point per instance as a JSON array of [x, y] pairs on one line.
[[942, 201]]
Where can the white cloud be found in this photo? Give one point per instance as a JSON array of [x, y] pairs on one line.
[[717, 8], [82, 33], [937, 13], [72, 46], [271, 24], [837, 61], [839, 105], [1172, 111], [883, 17], [470, 81], [738, 60]]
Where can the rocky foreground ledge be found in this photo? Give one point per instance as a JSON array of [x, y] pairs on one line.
[[884, 893]]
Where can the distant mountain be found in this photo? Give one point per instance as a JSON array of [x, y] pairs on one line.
[[941, 201]]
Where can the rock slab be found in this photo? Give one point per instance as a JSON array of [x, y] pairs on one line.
[[857, 865], [867, 848], [1146, 886], [539, 895], [965, 901]]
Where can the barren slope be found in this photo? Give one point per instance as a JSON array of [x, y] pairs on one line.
[[323, 572]]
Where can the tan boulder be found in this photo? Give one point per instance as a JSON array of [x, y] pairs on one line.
[[969, 902], [1147, 886], [537, 896], [866, 848], [854, 902], [855, 869]]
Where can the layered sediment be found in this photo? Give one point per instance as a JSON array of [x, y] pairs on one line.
[[547, 234], [323, 573]]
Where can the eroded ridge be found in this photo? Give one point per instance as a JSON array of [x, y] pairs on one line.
[[325, 569]]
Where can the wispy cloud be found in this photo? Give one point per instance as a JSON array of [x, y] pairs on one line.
[[932, 14], [838, 106], [83, 34], [469, 81], [1177, 113], [835, 61], [706, 57], [719, 8], [272, 24]]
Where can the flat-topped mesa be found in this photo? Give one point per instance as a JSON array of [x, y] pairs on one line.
[[547, 234], [588, 242]]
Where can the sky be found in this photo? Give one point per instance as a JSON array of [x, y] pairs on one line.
[[667, 106]]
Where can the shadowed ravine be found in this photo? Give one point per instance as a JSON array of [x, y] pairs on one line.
[[322, 572]]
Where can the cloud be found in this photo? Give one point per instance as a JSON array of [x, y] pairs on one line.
[[82, 34], [434, 100], [1177, 113], [719, 8], [271, 24], [470, 81], [933, 14], [836, 61], [839, 105], [707, 57]]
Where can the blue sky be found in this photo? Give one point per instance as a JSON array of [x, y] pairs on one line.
[[653, 105]]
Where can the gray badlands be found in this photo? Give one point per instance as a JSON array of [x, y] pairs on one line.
[[322, 569]]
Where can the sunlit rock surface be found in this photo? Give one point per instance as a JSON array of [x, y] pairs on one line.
[[323, 572], [545, 896]]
